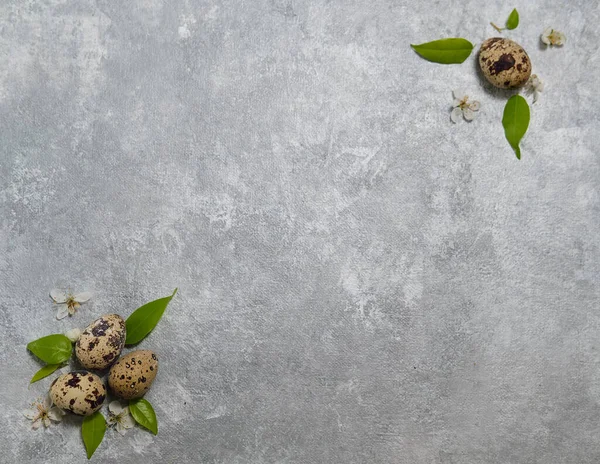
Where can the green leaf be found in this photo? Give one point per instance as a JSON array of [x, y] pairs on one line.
[[145, 318], [92, 431], [515, 121], [445, 51], [44, 372], [144, 414], [513, 20], [53, 349]]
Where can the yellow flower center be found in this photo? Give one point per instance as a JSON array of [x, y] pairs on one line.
[[42, 412], [554, 37], [72, 305]]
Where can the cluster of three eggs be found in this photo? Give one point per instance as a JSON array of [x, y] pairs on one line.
[[99, 347]]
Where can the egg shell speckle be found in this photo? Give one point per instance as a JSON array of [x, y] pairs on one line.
[[133, 374], [80, 392], [504, 63], [101, 343]]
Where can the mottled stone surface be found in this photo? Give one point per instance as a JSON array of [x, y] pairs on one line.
[[360, 280]]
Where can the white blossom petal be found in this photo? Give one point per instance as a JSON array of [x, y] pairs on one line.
[[62, 312], [58, 296], [456, 102], [455, 115], [46, 422], [115, 407], [47, 402], [56, 414], [474, 105], [459, 94], [82, 297], [546, 36], [121, 429], [468, 114], [30, 413], [36, 424], [127, 421], [71, 308]]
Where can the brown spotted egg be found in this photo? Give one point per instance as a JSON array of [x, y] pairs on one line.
[[80, 392], [504, 63], [101, 343], [131, 376]]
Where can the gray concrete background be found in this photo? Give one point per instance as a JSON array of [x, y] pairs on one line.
[[360, 280]]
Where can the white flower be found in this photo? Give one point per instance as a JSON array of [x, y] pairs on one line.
[[462, 106], [553, 37], [68, 302], [73, 334], [120, 417], [535, 86], [42, 412]]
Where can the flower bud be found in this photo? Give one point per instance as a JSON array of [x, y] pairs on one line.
[[73, 334]]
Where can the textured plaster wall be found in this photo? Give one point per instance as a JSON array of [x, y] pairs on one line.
[[360, 280]]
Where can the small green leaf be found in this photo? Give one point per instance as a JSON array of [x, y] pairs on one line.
[[445, 51], [53, 349], [92, 431], [515, 121], [144, 414], [145, 318], [513, 20], [44, 372]]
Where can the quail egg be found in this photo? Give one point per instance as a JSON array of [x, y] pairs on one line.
[[131, 376], [101, 343], [80, 392], [504, 63]]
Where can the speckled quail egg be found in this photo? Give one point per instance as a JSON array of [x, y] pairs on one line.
[[80, 392], [504, 63], [131, 376], [101, 343]]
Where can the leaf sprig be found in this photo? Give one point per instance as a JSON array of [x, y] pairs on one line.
[[44, 372], [92, 431], [511, 23], [143, 320], [52, 349], [515, 121], [445, 51], [143, 413]]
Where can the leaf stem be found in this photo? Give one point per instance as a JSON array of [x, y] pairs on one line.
[[499, 29]]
